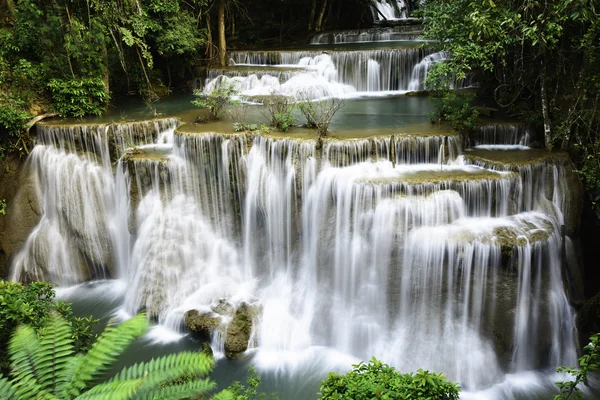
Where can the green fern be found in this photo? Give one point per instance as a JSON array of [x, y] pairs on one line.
[[45, 366]]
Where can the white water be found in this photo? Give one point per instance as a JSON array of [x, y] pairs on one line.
[[361, 256], [370, 35], [389, 10], [323, 74]]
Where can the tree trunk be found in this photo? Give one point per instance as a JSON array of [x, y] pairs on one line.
[[222, 40], [545, 111], [311, 16], [106, 76], [209, 41], [319, 24]]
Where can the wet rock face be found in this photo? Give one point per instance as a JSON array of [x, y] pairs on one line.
[[18, 189], [238, 332]]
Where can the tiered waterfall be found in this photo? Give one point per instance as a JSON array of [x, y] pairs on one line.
[[401, 246]]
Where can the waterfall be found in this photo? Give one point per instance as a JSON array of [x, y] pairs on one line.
[[398, 245], [388, 10], [502, 134], [396, 33], [366, 246], [336, 73]]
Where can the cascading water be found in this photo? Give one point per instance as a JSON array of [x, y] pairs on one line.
[[502, 134], [371, 35], [389, 10], [395, 245], [319, 74]]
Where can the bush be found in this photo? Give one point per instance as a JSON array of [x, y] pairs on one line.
[[279, 111], [456, 109], [217, 99], [320, 113], [12, 118], [250, 390], [241, 127], [78, 97], [33, 305], [376, 380]]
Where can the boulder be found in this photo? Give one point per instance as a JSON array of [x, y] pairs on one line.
[[201, 323], [238, 332]]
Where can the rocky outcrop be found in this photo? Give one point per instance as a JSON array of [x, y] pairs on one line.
[[238, 332]]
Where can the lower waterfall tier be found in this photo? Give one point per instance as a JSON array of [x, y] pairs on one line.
[[383, 246]]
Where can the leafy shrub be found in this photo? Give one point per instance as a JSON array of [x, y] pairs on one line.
[[279, 111], [46, 365], [34, 305], [249, 391], [456, 109], [78, 97], [12, 117], [375, 380], [217, 99], [320, 113], [3, 207], [589, 362], [241, 127]]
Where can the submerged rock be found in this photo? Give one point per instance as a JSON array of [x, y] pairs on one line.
[[238, 332]]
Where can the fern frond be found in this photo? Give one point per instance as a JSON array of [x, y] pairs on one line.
[[62, 386], [182, 391], [7, 391], [23, 347], [109, 346], [118, 390], [56, 350], [186, 362]]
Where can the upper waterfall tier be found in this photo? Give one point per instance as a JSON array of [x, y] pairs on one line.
[[325, 73], [397, 33]]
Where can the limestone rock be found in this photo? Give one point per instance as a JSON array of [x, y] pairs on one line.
[[201, 323], [238, 332]]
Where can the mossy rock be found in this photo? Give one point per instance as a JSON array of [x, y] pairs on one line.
[[238, 332], [206, 349], [201, 323]]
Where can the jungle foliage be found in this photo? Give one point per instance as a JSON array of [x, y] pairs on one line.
[[34, 305], [539, 60], [45, 364], [376, 380]]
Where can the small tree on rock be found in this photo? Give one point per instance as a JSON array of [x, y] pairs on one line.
[[215, 100], [319, 113]]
